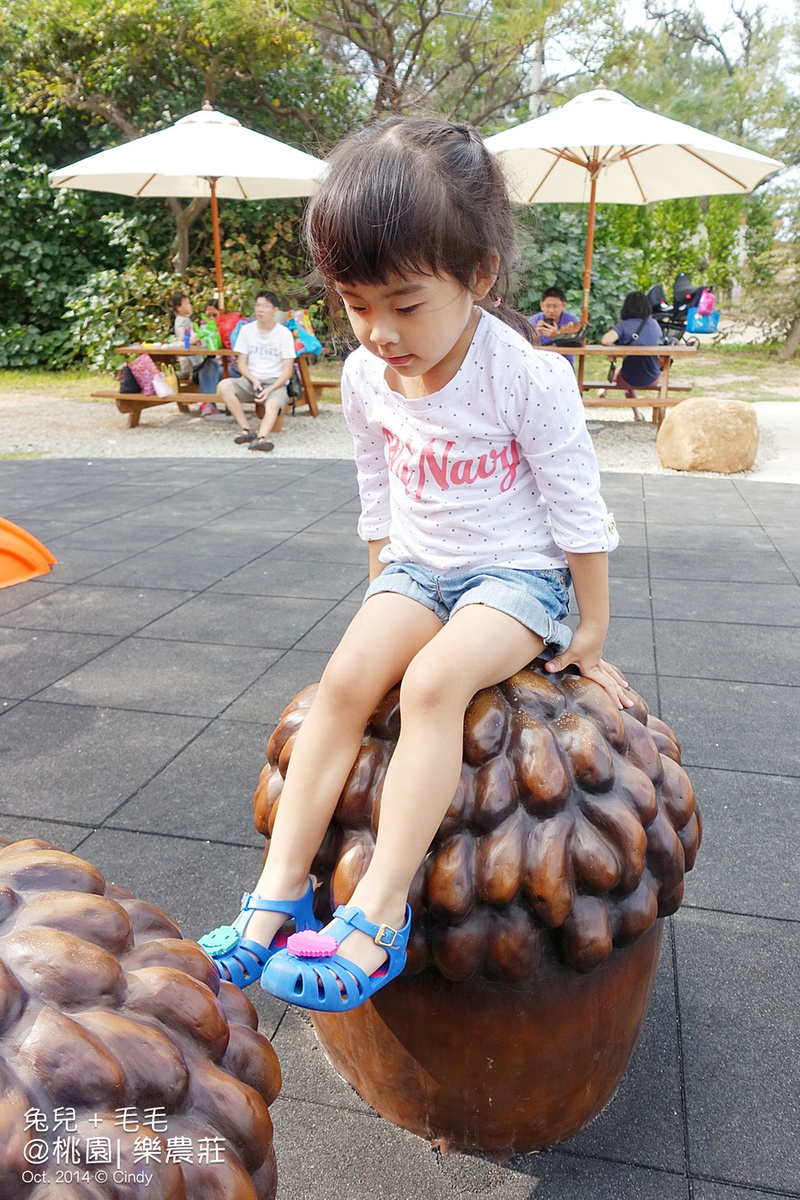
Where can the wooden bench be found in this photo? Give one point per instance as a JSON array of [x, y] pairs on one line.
[[621, 401], [133, 403], [309, 396]]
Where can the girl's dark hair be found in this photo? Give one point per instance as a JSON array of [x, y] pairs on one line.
[[409, 195], [175, 301], [636, 306]]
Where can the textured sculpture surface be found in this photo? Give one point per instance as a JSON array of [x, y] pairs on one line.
[[112, 1026], [536, 913]]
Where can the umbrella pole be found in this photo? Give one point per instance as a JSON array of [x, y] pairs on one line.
[[587, 263], [217, 248]]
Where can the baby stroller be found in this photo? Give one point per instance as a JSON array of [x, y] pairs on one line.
[[673, 319]]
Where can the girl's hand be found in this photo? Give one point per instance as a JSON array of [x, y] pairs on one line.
[[584, 651]]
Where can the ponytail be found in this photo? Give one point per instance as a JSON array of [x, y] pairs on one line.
[[497, 306]]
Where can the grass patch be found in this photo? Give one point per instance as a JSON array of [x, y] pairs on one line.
[[24, 454], [76, 384]]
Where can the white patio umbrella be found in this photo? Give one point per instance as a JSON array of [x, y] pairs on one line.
[[204, 154], [602, 148]]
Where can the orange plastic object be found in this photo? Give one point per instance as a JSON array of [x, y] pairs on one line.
[[22, 556]]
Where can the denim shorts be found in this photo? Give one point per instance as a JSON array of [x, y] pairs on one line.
[[537, 599]]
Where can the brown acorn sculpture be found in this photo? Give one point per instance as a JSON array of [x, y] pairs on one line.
[[537, 913], [127, 1070]]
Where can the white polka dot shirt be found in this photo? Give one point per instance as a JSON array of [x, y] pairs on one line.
[[495, 469]]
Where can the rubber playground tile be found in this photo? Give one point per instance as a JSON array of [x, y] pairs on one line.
[[630, 597], [270, 576], [734, 726], [236, 620], [761, 603], [719, 565], [323, 547], [714, 538], [740, 1022], [151, 675], [562, 1176], [120, 533], [82, 763], [307, 1074], [268, 697], [703, 1189], [32, 659], [628, 562], [20, 594], [629, 644], [748, 820], [83, 608], [61, 834], [163, 567], [243, 546], [328, 632], [706, 650], [330, 1160], [198, 883], [215, 775]]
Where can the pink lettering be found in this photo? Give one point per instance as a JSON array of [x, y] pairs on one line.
[[398, 455], [427, 459], [464, 472], [485, 471], [510, 460]]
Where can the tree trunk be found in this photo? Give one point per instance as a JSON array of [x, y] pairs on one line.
[[792, 340], [184, 220]]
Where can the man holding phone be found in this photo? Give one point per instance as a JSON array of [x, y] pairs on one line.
[[265, 359]]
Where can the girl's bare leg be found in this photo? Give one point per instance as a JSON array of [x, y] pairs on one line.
[[477, 648], [372, 656]]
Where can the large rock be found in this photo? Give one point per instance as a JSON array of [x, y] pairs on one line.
[[709, 435]]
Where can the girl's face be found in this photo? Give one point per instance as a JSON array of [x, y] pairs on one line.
[[419, 325], [184, 309]]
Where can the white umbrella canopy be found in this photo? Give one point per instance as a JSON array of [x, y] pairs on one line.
[[602, 148], [206, 153]]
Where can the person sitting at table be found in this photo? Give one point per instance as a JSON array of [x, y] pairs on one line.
[[265, 358], [552, 316], [636, 326], [205, 369]]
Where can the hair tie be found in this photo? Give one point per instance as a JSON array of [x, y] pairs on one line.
[[497, 302]]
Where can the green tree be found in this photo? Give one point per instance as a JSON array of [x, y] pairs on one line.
[[136, 66], [472, 61]]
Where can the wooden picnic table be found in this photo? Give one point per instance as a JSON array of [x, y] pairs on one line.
[[134, 403], [664, 354]]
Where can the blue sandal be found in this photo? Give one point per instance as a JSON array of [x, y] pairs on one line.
[[311, 974], [241, 957]]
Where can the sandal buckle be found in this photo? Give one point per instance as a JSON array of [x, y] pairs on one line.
[[386, 937]]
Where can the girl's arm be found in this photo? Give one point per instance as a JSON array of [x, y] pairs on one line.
[[375, 564], [609, 338], [590, 579]]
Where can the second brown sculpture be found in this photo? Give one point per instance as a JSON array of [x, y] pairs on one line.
[[536, 913]]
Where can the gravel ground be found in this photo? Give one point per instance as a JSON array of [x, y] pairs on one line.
[[57, 427]]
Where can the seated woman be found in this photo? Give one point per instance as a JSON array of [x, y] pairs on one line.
[[206, 370], [636, 326]]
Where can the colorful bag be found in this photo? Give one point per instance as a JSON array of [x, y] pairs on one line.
[[144, 371], [209, 335], [226, 323], [235, 331], [127, 382], [696, 323], [705, 305], [305, 341]]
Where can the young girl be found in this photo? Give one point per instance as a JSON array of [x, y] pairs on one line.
[[205, 368], [479, 497], [636, 325]]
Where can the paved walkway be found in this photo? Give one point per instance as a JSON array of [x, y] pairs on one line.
[[140, 680]]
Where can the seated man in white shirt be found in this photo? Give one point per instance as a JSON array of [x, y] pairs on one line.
[[265, 359]]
